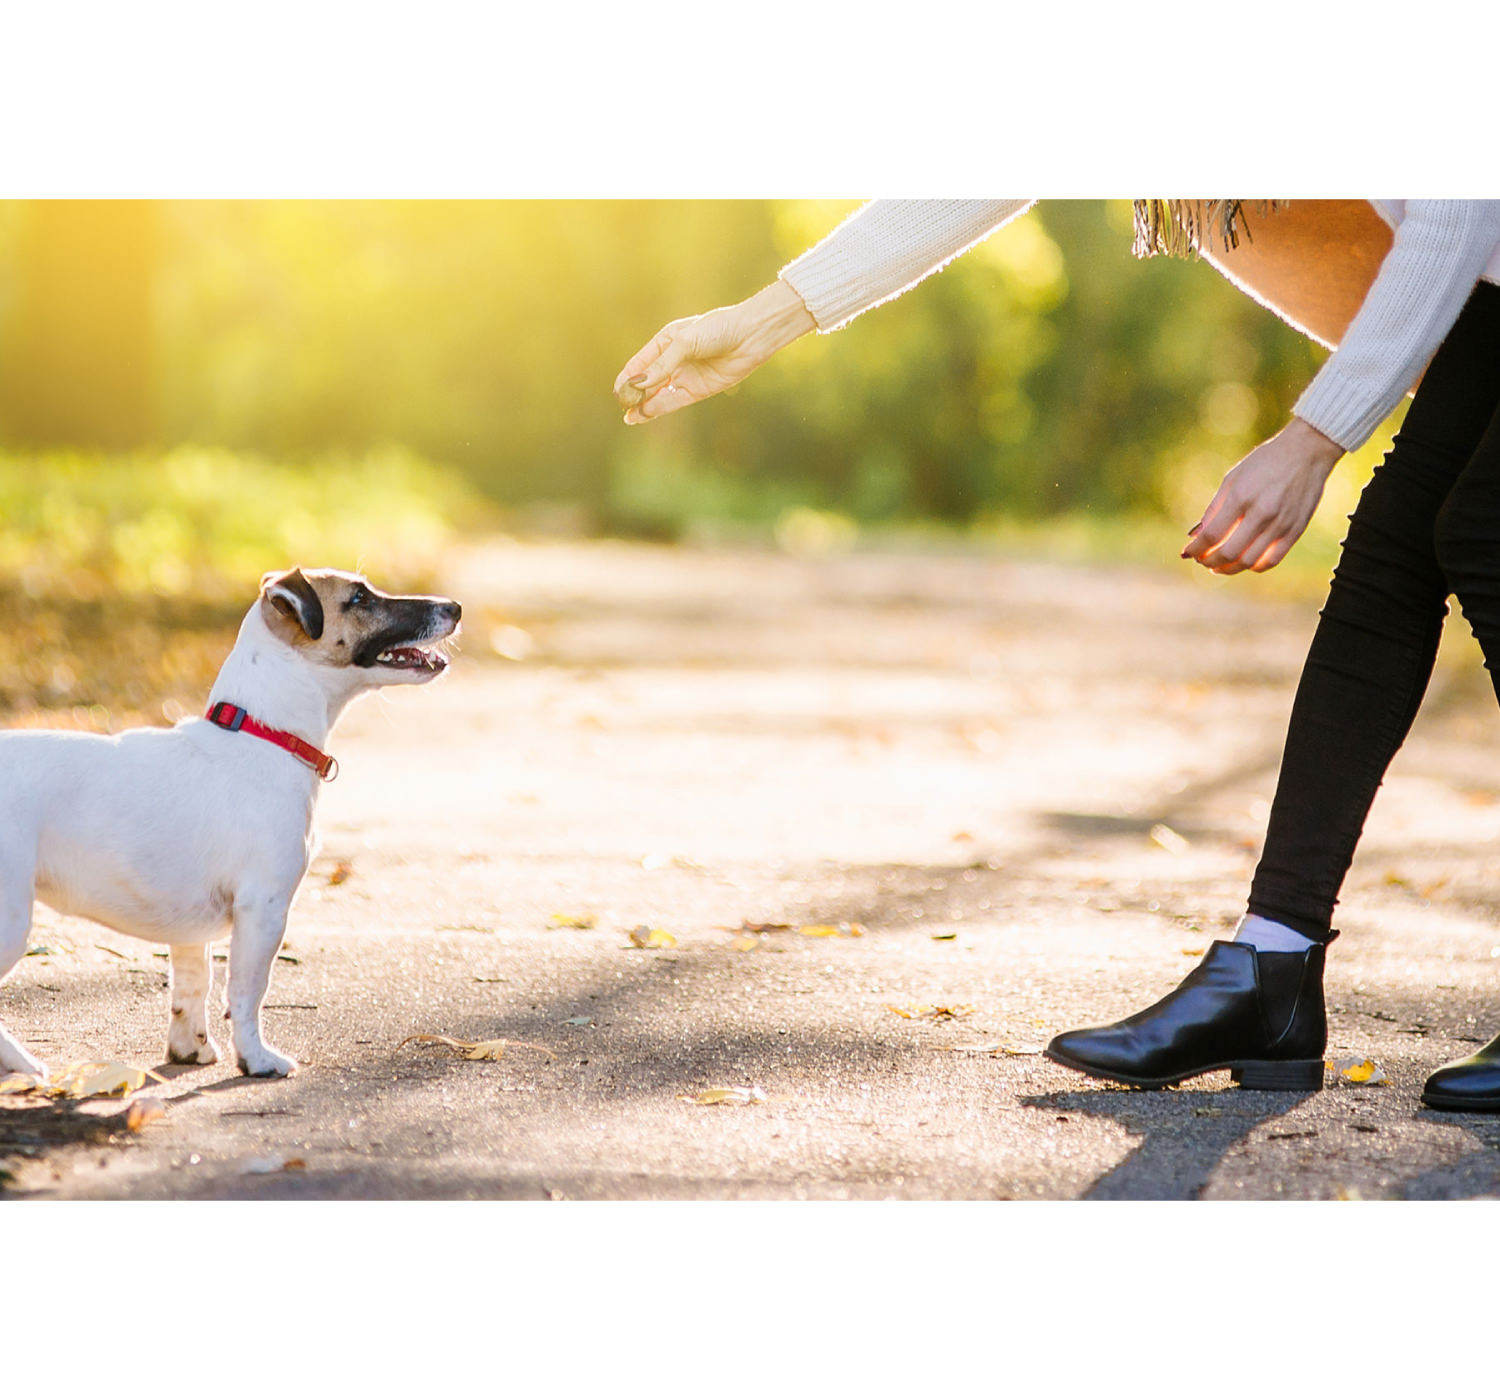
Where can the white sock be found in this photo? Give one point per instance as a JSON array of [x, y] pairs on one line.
[[1267, 936]]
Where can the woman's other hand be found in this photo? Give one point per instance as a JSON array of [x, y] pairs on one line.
[[1263, 505], [697, 356]]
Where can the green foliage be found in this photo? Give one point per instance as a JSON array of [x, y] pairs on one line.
[[206, 523], [1046, 372]]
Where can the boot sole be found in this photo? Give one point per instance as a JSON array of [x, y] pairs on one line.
[[1248, 1074], [1462, 1103]]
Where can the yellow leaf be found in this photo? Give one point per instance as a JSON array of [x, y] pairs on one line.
[[341, 872], [477, 1049], [745, 943], [143, 1111], [572, 921], [20, 1084], [645, 937], [920, 1011], [91, 1080], [831, 931], [1358, 1071], [738, 1095], [1168, 840], [1191, 952]]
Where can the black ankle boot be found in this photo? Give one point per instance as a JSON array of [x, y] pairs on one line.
[[1258, 1015], [1467, 1086]]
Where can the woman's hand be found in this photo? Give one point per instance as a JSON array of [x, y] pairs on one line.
[[700, 355], [1263, 505]]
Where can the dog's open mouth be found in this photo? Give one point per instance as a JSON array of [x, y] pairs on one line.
[[409, 658]]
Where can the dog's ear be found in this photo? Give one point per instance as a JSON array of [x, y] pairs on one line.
[[293, 596]]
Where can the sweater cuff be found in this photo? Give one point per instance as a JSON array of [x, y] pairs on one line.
[[887, 247], [1341, 407], [832, 286]]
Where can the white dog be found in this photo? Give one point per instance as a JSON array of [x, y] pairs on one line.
[[174, 835]]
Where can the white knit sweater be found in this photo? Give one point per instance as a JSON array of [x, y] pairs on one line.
[[1441, 248]]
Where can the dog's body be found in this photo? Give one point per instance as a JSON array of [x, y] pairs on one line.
[[174, 835]]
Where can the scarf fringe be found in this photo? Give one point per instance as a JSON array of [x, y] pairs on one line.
[[1179, 228]]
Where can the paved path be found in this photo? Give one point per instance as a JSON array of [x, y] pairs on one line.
[[1038, 789]]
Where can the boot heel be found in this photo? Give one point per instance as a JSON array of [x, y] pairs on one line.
[[1278, 1074]]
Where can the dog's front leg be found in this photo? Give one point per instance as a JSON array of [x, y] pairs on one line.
[[259, 922], [188, 1041], [15, 924]]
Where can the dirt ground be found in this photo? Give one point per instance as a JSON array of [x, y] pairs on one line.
[[1034, 791]]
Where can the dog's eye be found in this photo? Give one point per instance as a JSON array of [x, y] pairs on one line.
[[359, 597]]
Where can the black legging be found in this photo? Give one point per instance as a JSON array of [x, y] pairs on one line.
[[1427, 525]]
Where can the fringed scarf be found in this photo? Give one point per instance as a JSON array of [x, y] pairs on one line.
[[1180, 227]]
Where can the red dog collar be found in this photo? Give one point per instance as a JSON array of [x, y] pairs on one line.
[[234, 719]]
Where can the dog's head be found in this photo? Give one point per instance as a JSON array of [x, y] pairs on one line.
[[338, 620]]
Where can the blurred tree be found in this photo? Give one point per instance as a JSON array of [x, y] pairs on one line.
[[1045, 371], [77, 363]]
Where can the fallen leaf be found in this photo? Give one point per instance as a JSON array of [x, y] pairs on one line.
[[943, 937], [572, 921], [113, 952], [738, 1095], [745, 943], [288, 958], [1169, 840], [579, 1021], [341, 872], [832, 931], [920, 1011], [143, 1111], [1358, 1071], [644, 936], [961, 836], [21, 1084], [477, 1049], [1191, 952], [747, 927], [93, 1080]]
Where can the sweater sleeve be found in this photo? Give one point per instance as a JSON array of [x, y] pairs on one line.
[[1441, 247], [887, 247]]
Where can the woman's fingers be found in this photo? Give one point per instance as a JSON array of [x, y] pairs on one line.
[[667, 398], [1218, 520], [637, 364]]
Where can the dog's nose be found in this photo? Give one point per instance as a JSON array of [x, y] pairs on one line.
[[454, 609]]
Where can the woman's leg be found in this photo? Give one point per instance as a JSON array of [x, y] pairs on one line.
[[1468, 548], [1373, 652], [1260, 1013]]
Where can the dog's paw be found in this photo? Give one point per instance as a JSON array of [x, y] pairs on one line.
[[266, 1063], [200, 1050], [188, 1041]]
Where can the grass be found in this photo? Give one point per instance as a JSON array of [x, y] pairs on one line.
[[123, 577]]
